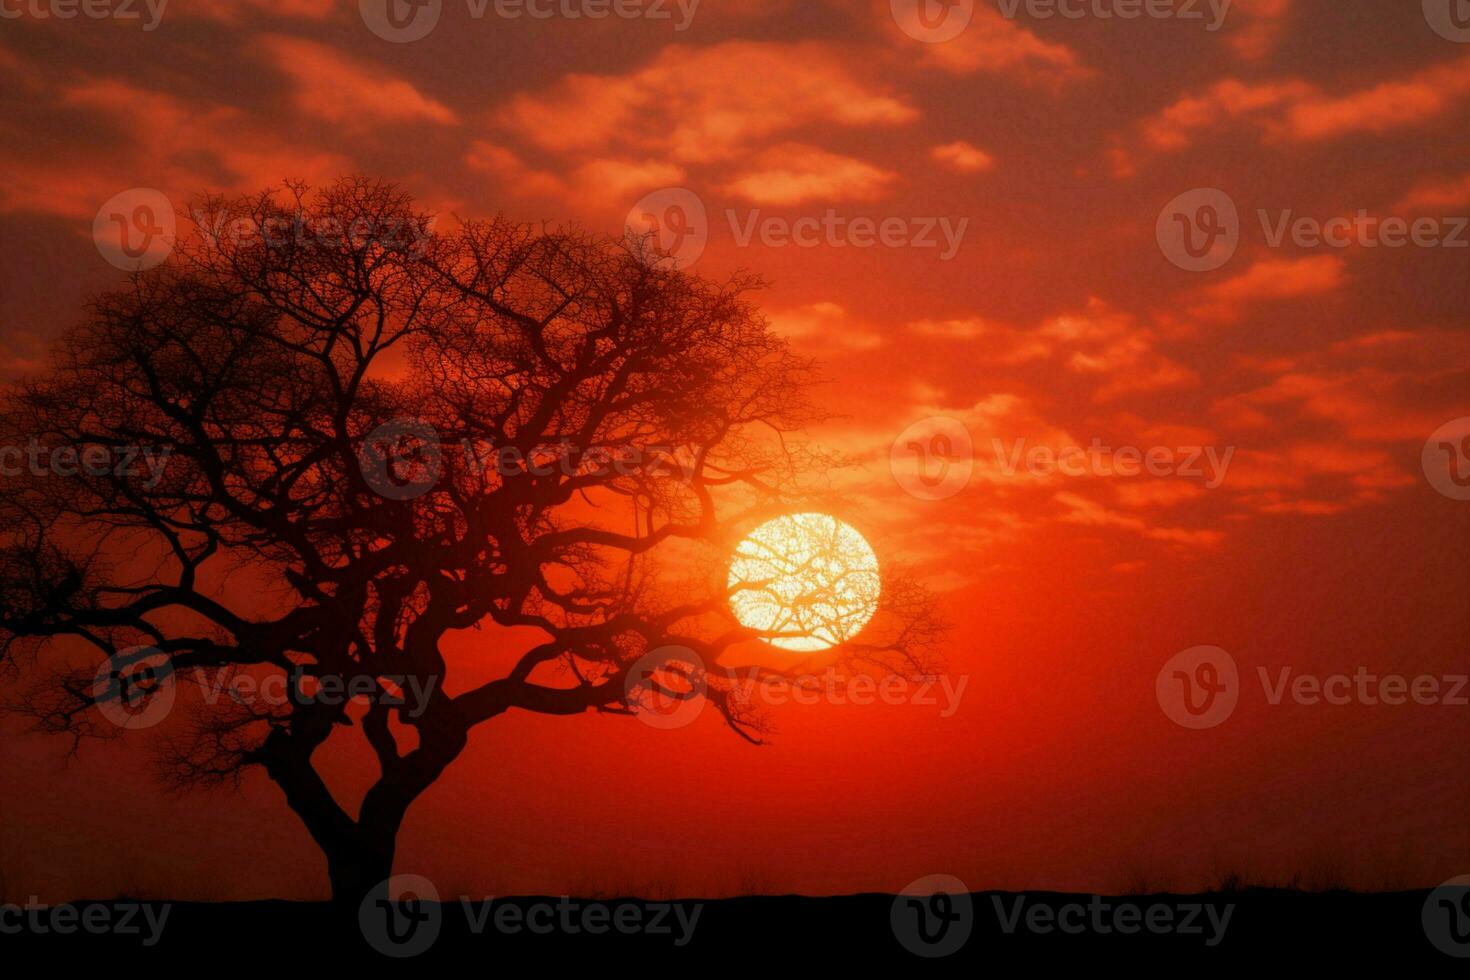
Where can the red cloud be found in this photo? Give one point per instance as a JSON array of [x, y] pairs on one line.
[[995, 45], [686, 103], [793, 173], [826, 327], [1431, 195], [962, 157], [1296, 111], [1081, 510], [184, 147], [1270, 279], [1264, 23], [589, 185], [340, 90], [1106, 346]]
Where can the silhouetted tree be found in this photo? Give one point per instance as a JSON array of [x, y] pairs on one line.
[[379, 434]]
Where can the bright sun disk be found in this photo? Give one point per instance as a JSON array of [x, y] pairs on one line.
[[810, 577]]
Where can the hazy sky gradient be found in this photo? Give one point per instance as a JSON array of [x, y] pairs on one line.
[[1059, 321]]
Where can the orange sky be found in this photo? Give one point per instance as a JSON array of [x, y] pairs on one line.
[[1059, 320]]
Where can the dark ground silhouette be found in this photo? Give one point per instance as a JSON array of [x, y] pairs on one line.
[[1266, 928]]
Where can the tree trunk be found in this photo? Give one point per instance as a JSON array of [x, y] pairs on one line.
[[359, 853], [356, 867]]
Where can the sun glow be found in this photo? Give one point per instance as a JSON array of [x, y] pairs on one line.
[[808, 577]]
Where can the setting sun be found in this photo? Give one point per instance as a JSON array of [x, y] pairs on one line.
[[809, 578]]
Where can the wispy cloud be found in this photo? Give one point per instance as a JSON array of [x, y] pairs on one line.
[[347, 92]]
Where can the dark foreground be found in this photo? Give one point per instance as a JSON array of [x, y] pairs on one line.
[[1261, 927]]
